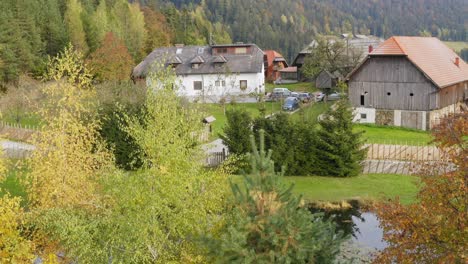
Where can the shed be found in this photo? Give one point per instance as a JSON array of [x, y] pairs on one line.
[[326, 80]]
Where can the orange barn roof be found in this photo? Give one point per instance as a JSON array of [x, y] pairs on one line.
[[430, 55]]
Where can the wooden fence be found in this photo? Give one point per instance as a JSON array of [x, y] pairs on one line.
[[404, 152], [17, 131], [214, 159], [398, 158]]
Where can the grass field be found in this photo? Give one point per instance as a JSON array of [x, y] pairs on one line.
[[311, 113], [26, 119], [12, 183], [457, 45], [217, 111], [394, 135], [365, 187]]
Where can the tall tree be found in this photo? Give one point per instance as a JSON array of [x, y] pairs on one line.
[[157, 28], [128, 24], [54, 31], [434, 230], [339, 148], [111, 61], [236, 133], [75, 25]]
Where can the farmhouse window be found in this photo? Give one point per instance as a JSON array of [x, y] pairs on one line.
[[197, 85], [241, 50], [223, 83], [217, 83], [195, 65], [243, 84]]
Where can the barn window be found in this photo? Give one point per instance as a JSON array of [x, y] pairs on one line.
[[411, 94], [363, 116], [197, 85], [389, 93], [362, 99]]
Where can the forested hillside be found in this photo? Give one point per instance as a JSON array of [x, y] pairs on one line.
[[30, 30], [286, 25]]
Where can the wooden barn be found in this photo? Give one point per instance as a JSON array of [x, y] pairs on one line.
[[409, 82]]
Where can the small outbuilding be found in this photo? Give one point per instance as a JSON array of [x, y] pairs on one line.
[[327, 80]]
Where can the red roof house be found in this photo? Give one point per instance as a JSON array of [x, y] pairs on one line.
[[410, 82], [274, 62]]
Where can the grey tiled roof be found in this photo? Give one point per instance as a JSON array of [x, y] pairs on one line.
[[236, 63]]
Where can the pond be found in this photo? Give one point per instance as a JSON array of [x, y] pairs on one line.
[[361, 225]]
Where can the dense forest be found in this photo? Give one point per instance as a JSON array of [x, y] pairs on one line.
[[31, 30]]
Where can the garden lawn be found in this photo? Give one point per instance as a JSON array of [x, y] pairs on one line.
[[365, 187], [12, 183], [311, 112], [253, 109], [394, 135], [25, 119]]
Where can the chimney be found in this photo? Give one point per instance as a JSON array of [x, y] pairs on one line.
[[179, 45], [371, 48], [457, 61]]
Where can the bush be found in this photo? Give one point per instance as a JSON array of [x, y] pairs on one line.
[[330, 149], [119, 99]]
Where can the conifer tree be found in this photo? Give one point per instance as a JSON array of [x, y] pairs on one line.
[[267, 223], [75, 25], [340, 149], [237, 131]]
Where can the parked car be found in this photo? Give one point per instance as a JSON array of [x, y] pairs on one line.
[[294, 94], [291, 104], [305, 97], [334, 96], [281, 93], [318, 96]]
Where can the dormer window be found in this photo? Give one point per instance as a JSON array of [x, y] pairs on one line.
[[196, 62], [219, 61], [174, 61]]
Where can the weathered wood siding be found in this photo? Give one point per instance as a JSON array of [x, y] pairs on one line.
[[388, 82], [324, 81], [452, 94]]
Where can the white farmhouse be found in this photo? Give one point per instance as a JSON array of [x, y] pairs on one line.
[[210, 73]]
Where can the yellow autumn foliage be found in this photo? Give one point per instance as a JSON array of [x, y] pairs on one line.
[[13, 247], [68, 151]]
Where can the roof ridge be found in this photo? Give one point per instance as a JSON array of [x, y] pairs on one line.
[[398, 44]]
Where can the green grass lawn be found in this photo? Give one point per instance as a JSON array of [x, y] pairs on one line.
[[311, 113], [217, 111], [394, 135], [456, 45], [299, 86], [25, 119], [365, 187], [12, 183]]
